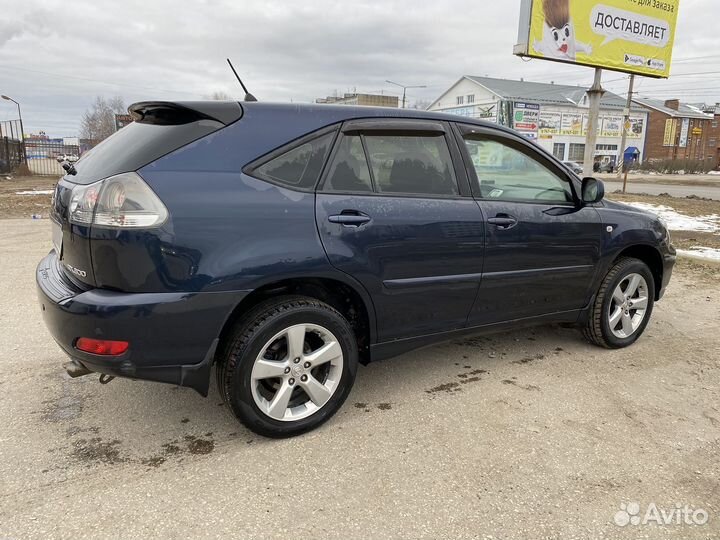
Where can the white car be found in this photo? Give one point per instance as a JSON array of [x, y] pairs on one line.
[[72, 158]]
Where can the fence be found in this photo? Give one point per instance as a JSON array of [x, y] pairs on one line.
[[42, 155], [12, 152]]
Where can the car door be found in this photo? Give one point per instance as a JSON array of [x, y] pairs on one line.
[[394, 210], [541, 243]]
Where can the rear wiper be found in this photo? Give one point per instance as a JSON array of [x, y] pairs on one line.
[[69, 167]]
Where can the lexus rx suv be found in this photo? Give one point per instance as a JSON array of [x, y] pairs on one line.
[[286, 244]]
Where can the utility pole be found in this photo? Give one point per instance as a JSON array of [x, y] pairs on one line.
[[405, 87], [622, 167], [595, 93]]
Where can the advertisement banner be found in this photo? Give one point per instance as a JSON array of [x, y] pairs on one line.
[[669, 136], [525, 118], [633, 36], [636, 127], [684, 133], [612, 126], [549, 124], [571, 124]]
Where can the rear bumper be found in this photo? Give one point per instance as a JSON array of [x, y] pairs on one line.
[[172, 336]]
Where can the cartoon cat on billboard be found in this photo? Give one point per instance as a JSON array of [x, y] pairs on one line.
[[559, 33]]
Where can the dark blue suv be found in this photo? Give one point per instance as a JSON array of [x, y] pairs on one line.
[[287, 243]]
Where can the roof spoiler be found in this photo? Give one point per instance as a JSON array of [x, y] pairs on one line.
[[173, 113]]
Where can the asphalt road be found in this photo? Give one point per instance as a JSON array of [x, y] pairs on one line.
[[709, 192], [531, 434]]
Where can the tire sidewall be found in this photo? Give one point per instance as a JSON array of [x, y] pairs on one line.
[[240, 395], [634, 267]]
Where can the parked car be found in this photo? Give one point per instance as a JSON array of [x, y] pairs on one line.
[[71, 158], [574, 167], [285, 244]]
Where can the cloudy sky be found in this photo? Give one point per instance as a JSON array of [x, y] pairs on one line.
[[57, 55]]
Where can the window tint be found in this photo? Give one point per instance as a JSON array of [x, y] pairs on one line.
[[299, 167], [506, 173], [349, 171], [411, 164]]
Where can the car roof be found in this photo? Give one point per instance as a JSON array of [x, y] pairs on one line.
[[338, 113]]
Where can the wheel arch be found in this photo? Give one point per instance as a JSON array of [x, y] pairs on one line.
[[650, 256], [350, 299]]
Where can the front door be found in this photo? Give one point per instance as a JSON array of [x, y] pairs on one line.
[[392, 214], [542, 244]]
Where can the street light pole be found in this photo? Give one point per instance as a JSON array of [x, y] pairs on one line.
[[405, 87], [22, 130]]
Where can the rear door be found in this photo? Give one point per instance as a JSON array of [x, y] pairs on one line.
[[542, 244], [395, 212]]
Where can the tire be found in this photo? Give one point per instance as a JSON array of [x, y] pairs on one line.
[[259, 365], [604, 328]]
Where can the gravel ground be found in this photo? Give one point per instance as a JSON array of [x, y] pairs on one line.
[[529, 434]]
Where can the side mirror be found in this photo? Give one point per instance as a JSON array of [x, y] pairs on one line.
[[593, 190]]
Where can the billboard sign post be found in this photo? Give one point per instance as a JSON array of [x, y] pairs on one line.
[[632, 36]]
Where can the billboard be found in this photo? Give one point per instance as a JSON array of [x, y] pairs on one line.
[[634, 36], [525, 118]]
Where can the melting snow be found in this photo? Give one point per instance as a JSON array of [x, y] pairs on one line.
[[676, 221], [38, 192], [701, 253]]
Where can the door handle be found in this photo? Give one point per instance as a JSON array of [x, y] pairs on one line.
[[503, 221], [350, 218]]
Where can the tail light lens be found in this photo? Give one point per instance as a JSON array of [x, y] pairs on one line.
[[122, 202], [104, 347]]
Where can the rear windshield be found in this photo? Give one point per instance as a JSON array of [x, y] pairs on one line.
[[136, 145]]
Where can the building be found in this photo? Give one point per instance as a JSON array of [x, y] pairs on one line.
[[683, 132], [371, 100], [554, 115]]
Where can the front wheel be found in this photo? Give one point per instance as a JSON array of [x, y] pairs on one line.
[[288, 367], [623, 305]]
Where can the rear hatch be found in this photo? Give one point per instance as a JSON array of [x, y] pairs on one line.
[[158, 128]]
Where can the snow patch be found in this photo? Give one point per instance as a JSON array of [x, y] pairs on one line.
[[676, 221], [698, 252], [38, 192]]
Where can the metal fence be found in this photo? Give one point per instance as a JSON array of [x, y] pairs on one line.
[[42, 156], [12, 152]]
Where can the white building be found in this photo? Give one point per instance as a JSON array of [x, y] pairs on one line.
[[554, 115]]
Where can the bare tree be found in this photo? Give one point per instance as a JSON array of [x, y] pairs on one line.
[[98, 122], [421, 104], [219, 95]]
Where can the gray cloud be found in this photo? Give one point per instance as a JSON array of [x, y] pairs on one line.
[[55, 58]]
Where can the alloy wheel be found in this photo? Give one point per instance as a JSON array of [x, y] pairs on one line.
[[628, 306], [297, 372]]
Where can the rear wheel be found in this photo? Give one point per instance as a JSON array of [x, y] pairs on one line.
[[623, 305], [288, 367]]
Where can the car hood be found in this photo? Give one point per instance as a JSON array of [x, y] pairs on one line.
[[614, 205]]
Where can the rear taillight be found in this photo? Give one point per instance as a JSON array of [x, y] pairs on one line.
[[104, 347], [123, 201]]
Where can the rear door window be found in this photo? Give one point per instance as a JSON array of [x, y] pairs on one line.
[[411, 164], [393, 164], [349, 171], [300, 166]]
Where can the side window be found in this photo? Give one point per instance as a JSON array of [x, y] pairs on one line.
[[349, 171], [506, 173], [412, 164], [299, 167]]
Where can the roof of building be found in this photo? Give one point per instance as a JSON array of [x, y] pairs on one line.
[[544, 93], [683, 111]]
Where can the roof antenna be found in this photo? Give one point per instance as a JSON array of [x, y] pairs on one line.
[[248, 95]]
